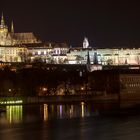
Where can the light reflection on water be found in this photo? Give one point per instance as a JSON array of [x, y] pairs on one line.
[[45, 112], [68, 111], [68, 122], [14, 113], [82, 109]]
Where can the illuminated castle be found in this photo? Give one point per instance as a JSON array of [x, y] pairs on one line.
[[25, 47], [8, 38], [14, 45]]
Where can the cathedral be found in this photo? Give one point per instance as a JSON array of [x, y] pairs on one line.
[[13, 46], [10, 38]]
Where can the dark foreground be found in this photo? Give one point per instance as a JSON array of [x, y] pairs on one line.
[[69, 122]]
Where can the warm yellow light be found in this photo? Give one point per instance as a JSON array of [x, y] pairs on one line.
[[82, 109], [14, 113], [11, 102], [10, 90], [44, 89], [45, 112]]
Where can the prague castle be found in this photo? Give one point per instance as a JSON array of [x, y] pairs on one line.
[[13, 45], [25, 47], [10, 38]]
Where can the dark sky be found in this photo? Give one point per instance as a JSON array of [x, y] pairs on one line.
[[105, 23]]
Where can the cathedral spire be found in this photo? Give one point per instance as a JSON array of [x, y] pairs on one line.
[[88, 61], [12, 27], [2, 20]]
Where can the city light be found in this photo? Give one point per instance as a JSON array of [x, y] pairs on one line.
[[11, 102], [45, 112], [14, 113], [82, 109]]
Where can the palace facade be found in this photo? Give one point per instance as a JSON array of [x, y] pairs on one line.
[[25, 47]]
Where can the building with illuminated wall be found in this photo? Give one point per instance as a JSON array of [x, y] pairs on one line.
[[48, 52], [13, 46], [25, 47], [20, 47], [10, 38], [104, 56]]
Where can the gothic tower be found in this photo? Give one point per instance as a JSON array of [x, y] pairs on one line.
[[12, 27], [2, 21], [3, 27]]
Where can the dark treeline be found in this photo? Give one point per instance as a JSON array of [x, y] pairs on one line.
[[40, 81]]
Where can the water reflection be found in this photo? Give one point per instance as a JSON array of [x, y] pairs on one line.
[[60, 111], [82, 109], [106, 128], [14, 113], [46, 112], [71, 111]]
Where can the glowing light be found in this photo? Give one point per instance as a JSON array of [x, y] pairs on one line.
[[82, 109], [11, 102], [14, 113], [71, 111], [44, 89], [61, 110], [45, 112], [10, 90]]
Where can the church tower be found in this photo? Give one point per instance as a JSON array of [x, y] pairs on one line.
[[85, 43], [3, 27], [12, 27], [2, 21], [3, 31]]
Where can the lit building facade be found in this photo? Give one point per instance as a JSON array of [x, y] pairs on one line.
[[10, 38], [13, 46], [12, 53], [104, 56], [20, 47], [55, 53], [121, 56]]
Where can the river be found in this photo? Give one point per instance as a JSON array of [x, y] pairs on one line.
[[81, 121]]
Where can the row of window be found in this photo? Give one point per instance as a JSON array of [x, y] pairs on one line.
[[130, 79], [51, 52], [133, 85]]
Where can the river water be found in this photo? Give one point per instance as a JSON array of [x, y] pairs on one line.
[[79, 121]]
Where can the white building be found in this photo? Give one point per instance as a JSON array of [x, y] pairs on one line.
[[105, 56]]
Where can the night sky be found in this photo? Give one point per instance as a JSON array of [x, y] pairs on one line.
[[105, 23]]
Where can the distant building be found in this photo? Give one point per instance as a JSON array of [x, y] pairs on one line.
[[55, 53], [10, 38], [13, 45], [25, 47], [105, 56]]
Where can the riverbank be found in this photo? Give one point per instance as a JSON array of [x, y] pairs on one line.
[[58, 99], [123, 100]]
